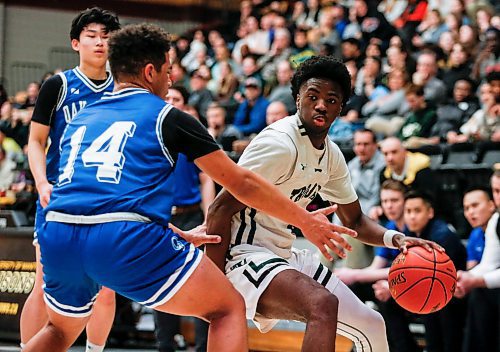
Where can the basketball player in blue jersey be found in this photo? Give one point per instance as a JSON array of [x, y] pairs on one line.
[[107, 222], [276, 280], [60, 98]]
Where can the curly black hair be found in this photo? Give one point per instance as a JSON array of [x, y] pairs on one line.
[[93, 15], [326, 67], [134, 46]]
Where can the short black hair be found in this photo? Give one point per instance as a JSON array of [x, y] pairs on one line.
[[486, 190], [425, 196], [134, 46], [327, 67], [181, 89], [93, 15], [367, 130]]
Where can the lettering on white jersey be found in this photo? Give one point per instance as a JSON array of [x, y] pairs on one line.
[[309, 191]]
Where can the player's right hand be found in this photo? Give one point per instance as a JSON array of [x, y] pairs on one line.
[[323, 234], [44, 192]]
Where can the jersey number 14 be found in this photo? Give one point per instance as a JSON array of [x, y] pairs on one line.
[[105, 152]]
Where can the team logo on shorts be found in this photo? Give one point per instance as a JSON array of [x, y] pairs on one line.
[[178, 246]]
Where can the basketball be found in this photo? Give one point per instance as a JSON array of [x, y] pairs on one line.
[[421, 281]]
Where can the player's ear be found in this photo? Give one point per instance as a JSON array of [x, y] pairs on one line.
[[75, 44], [148, 72]]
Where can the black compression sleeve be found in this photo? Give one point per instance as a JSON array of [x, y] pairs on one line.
[[47, 100]]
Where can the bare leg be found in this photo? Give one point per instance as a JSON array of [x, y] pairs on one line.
[[103, 315], [207, 294], [292, 295], [58, 335], [34, 314]]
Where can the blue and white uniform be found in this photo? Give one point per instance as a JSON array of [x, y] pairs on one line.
[[107, 220], [73, 91]]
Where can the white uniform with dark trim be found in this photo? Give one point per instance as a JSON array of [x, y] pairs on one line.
[[261, 246]]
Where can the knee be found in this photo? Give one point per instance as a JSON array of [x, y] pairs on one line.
[[324, 308], [233, 306], [106, 297], [374, 322]]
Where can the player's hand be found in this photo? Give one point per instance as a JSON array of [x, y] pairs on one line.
[[381, 290], [466, 282], [197, 236], [44, 192], [322, 233], [408, 242], [375, 212], [347, 275]]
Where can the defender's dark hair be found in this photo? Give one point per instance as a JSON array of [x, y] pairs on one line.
[[426, 197], [93, 15], [326, 67], [486, 190], [134, 46], [181, 89]]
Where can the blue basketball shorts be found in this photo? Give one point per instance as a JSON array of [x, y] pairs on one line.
[[39, 221], [145, 262]]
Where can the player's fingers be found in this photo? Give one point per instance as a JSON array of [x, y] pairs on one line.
[[327, 210], [343, 229], [404, 248], [325, 253], [437, 247], [339, 251], [211, 239], [339, 240], [174, 228]]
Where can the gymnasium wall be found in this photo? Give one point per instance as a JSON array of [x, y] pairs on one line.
[[36, 40]]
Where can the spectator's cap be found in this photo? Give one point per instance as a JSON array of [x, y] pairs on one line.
[[252, 82]]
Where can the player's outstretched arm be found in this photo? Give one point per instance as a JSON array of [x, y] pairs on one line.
[[219, 217], [370, 232], [36, 156], [253, 190]]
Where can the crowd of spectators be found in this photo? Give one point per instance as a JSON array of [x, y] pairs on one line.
[[424, 73]]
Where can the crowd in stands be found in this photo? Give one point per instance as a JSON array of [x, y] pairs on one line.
[[424, 73]]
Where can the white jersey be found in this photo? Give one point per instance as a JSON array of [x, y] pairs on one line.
[[284, 155]]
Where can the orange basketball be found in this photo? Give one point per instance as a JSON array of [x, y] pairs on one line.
[[422, 282]]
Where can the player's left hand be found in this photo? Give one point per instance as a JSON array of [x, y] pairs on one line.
[[408, 242], [197, 236]]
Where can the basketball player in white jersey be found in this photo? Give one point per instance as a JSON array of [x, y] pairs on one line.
[[276, 280]]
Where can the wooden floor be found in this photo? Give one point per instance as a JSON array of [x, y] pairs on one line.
[[286, 341], [275, 340]]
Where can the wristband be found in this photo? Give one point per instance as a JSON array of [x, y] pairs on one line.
[[388, 236]]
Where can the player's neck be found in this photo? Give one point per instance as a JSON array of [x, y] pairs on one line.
[[124, 85], [95, 73]]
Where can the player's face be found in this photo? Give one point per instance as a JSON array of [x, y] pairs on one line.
[[161, 79], [478, 208], [495, 187], [417, 214], [92, 44], [392, 203], [318, 104], [364, 146]]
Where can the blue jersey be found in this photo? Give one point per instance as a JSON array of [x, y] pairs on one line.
[[475, 245], [77, 92], [115, 158], [187, 182]]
